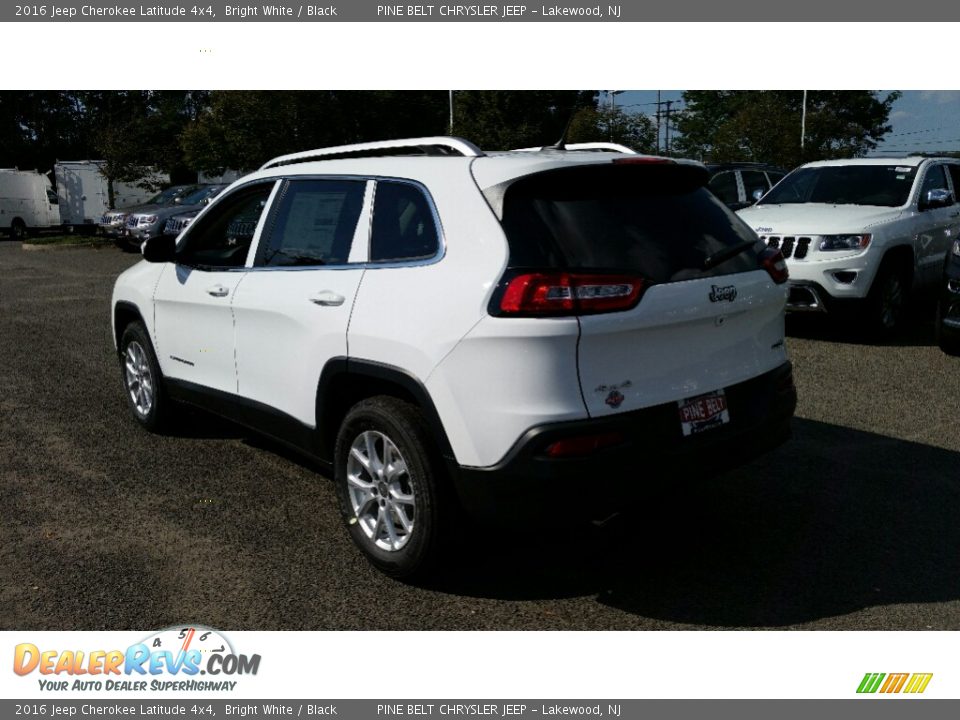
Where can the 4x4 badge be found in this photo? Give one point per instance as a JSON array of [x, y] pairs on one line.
[[727, 292]]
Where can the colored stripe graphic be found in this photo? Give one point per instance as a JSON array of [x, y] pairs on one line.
[[895, 682], [870, 682], [918, 683]]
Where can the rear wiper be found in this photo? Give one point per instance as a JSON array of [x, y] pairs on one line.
[[724, 255]]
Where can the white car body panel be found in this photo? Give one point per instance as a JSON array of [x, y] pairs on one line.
[[677, 343], [284, 335], [506, 376]]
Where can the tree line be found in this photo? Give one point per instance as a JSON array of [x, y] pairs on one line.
[[182, 132]]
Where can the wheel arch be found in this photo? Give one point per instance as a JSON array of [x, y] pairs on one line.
[[346, 381], [124, 313], [904, 257]]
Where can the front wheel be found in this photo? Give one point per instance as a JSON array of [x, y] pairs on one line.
[[886, 305], [142, 381], [387, 481], [947, 338]]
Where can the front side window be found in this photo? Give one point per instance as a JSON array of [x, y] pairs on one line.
[[754, 180], [936, 179], [222, 238], [403, 224], [315, 223]]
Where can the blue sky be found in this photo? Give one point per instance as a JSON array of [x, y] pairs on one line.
[[922, 120]]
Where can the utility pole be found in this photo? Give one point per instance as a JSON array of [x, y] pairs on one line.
[[451, 112], [803, 124], [658, 122], [668, 103]]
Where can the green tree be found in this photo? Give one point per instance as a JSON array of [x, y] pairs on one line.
[[764, 126], [502, 120], [243, 129], [607, 124]]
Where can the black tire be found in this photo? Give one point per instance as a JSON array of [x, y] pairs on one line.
[[404, 426], [18, 230], [948, 341], [886, 305], [135, 346]]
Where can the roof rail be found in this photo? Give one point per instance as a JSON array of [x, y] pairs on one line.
[[425, 145], [596, 146]]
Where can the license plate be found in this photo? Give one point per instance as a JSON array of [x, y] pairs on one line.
[[704, 412]]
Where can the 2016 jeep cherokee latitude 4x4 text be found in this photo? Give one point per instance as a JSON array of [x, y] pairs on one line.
[[868, 231], [452, 329]]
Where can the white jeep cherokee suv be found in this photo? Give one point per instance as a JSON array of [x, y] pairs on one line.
[[450, 329], [870, 230]]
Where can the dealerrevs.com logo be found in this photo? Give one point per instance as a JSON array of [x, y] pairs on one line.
[[910, 683], [171, 659]]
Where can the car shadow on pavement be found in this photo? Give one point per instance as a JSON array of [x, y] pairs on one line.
[[917, 330], [835, 521]]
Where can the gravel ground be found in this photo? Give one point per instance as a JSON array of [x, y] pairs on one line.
[[851, 525]]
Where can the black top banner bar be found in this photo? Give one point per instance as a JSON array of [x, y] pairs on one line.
[[386, 11]]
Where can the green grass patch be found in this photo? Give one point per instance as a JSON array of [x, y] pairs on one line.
[[67, 240]]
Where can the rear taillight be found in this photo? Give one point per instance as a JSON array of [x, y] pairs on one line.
[[561, 293], [772, 261]]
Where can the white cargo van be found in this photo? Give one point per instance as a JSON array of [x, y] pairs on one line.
[[84, 192], [27, 202]]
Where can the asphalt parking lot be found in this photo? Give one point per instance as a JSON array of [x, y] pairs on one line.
[[851, 525]]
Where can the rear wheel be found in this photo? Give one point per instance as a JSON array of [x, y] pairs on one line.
[[18, 229], [388, 485]]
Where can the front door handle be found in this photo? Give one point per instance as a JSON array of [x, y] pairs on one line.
[[218, 291], [327, 298]]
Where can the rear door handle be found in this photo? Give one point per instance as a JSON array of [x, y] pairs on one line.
[[327, 298], [218, 291]]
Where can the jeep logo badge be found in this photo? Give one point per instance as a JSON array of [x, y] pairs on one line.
[[718, 294]]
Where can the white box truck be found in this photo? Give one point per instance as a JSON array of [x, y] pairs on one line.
[[84, 193], [27, 202]]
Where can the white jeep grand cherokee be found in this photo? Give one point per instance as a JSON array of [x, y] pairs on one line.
[[451, 329], [870, 230]]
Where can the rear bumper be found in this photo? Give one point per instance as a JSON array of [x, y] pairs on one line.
[[654, 455]]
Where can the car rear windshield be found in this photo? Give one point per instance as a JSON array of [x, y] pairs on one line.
[[658, 221], [880, 185]]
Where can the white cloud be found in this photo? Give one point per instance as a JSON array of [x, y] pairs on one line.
[[941, 97]]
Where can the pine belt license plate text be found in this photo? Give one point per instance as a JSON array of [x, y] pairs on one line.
[[703, 412]]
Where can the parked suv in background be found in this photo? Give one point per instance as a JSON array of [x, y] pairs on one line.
[[149, 222], [869, 230], [740, 185], [500, 332], [113, 222]]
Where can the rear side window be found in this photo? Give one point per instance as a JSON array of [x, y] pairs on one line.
[[403, 224], [724, 186], [315, 223], [657, 221]]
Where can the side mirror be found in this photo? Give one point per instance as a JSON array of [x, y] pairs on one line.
[[935, 199], [757, 194], [160, 249]]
